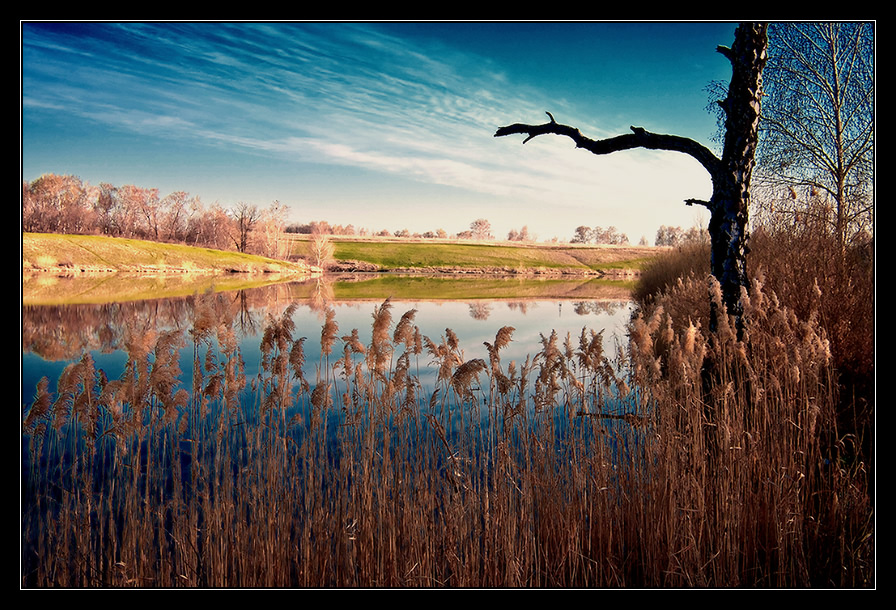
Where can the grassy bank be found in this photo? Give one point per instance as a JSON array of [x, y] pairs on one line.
[[94, 253], [498, 256]]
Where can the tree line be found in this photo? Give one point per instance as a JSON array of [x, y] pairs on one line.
[[56, 203], [65, 204], [480, 229]]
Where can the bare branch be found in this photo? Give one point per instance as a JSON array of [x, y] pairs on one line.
[[639, 138], [726, 51]]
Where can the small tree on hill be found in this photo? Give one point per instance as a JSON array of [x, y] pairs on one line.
[[320, 249], [481, 229]]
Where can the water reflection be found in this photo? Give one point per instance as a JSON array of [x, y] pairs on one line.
[[53, 336]]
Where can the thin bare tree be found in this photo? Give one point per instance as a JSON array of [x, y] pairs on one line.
[[320, 249], [817, 146], [245, 217]]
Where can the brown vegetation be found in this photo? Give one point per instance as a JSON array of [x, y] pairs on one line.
[[798, 259], [574, 468]]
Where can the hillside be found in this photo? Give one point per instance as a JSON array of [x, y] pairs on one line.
[[74, 254]]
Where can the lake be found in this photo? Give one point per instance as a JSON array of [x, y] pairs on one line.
[[53, 336]]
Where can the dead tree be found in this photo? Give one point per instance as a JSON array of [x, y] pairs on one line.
[[730, 174]]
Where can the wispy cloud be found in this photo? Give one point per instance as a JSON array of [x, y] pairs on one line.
[[343, 94]]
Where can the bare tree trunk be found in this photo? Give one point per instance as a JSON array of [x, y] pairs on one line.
[[730, 201], [730, 175]]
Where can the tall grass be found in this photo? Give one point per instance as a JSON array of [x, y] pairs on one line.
[[402, 463]]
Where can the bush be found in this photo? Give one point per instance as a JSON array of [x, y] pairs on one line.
[[662, 274], [800, 265]]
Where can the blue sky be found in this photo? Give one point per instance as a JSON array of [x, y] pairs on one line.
[[379, 125]]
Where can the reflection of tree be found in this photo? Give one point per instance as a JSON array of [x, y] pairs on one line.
[[321, 294], [59, 333], [64, 332], [521, 306], [584, 308], [480, 310], [248, 322]]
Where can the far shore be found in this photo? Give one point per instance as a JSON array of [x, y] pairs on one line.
[[60, 269]]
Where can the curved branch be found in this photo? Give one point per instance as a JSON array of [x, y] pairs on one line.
[[639, 138]]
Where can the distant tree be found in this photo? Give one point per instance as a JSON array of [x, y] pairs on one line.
[[245, 217], [105, 207], [130, 212], [481, 229], [521, 235], [675, 236], [176, 209], [582, 235], [208, 226], [610, 236], [269, 229], [149, 206], [696, 234], [320, 249], [54, 203], [320, 226], [667, 236], [598, 235]]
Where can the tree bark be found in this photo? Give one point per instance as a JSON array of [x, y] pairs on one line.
[[730, 174]]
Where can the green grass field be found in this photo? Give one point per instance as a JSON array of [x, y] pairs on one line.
[[390, 254]]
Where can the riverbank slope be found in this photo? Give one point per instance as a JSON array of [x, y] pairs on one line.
[[76, 254]]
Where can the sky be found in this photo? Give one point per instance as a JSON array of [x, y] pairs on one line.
[[380, 125]]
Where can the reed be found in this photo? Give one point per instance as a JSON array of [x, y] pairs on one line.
[[680, 460]]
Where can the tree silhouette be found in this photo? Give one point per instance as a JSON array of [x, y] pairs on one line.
[[730, 174]]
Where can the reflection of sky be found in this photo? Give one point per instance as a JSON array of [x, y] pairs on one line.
[[530, 319]]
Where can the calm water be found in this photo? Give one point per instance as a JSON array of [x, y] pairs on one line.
[[53, 336]]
